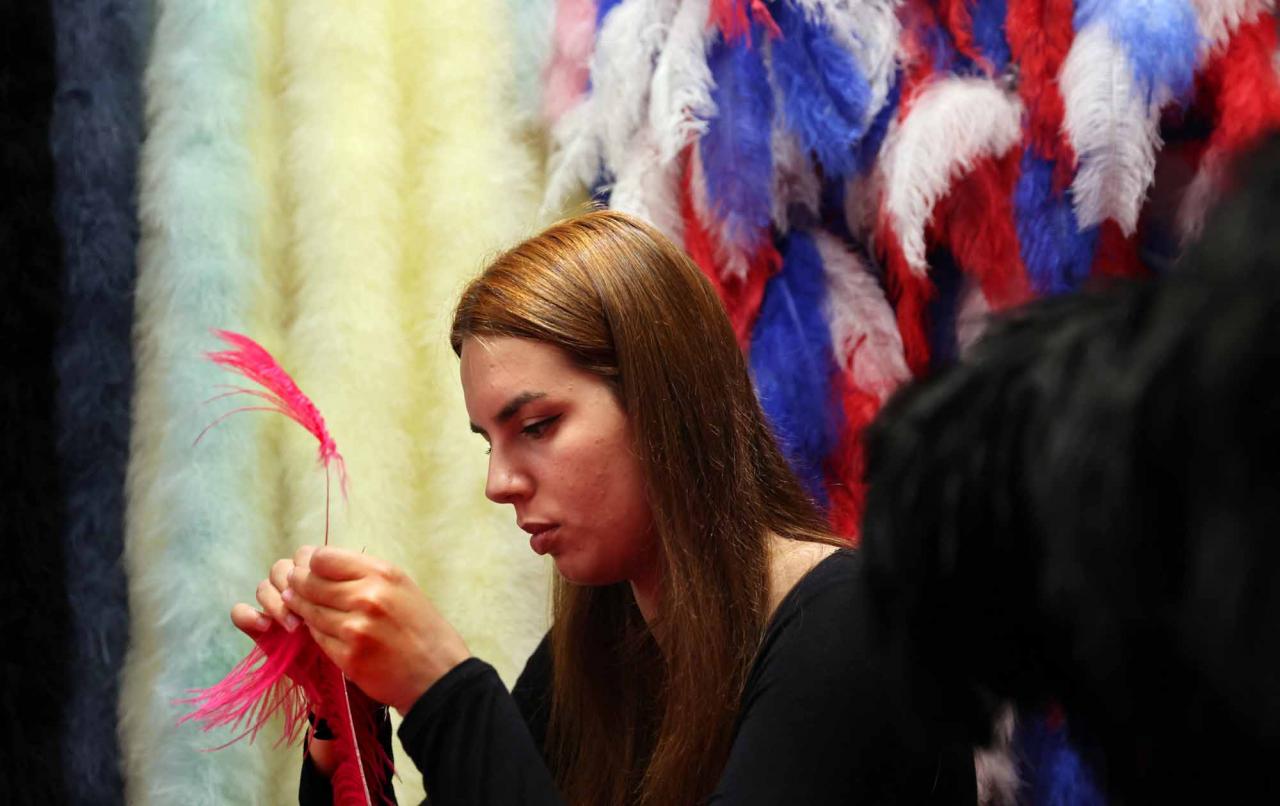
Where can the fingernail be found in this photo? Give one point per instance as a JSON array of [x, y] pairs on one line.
[[287, 595], [262, 624], [291, 622]]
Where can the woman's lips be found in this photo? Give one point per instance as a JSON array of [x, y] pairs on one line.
[[541, 542]]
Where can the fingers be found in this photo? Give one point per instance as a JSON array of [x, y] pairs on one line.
[[249, 621], [317, 616], [304, 582], [269, 597], [342, 564]]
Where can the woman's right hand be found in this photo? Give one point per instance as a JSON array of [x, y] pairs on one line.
[[254, 623]]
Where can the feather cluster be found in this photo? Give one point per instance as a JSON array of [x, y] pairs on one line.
[[286, 672]]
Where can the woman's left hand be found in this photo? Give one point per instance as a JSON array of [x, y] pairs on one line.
[[374, 623]]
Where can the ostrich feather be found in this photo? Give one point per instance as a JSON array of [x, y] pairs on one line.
[[868, 29], [597, 132], [953, 123], [1217, 20], [977, 28], [1244, 82], [735, 153], [648, 186], [862, 329], [1040, 33], [1159, 38], [1056, 252], [1112, 129], [795, 182], [734, 17], [573, 38], [825, 98], [680, 95], [530, 23], [792, 362]]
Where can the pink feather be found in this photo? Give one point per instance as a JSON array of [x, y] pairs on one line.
[[287, 673], [567, 71]]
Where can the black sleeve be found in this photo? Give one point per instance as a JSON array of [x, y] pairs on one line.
[[471, 742], [826, 720], [315, 789]]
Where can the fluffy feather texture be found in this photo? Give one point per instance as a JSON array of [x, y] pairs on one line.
[[825, 98], [95, 134], [975, 221], [600, 130], [530, 24], [996, 766], [846, 464], [1127, 61], [977, 28], [573, 38], [199, 266], [1244, 84], [1055, 771], [680, 95], [795, 182], [953, 123], [647, 186], [1217, 20], [862, 328], [869, 29], [792, 362], [1056, 252], [734, 18], [1112, 129], [735, 153], [1040, 33]]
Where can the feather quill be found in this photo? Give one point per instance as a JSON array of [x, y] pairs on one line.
[[680, 95], [953, 123]]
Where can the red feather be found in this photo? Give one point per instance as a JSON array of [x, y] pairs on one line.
[[959, 22], [741, 297], [1117, 254], [976, 222], [1246, 86], [846, 467], [286, 672], [910, 295], [731, 17], [1040, 34]]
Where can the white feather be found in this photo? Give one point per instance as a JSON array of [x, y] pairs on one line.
[[1114, 131], [680, 97], [621, 69], [953, 123], [863, 328], [972, 317], [1217, 20], [647, 186], [869, 29], [996, 767]]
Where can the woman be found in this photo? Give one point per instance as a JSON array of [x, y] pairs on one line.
[[707, 638]]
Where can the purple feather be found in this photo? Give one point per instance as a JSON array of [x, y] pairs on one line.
[[793, 364], [1057, 254], [1160, 38], [988, 32], [824, 94], [735, 150]]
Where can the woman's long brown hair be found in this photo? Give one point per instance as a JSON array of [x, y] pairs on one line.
[[643, 713]]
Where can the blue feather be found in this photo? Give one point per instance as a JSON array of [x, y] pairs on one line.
[[1057, 254], [1160, 38], [603, 7], [735, 149], [988, 32], [869, 148], [792, 363], [824, 94], [1053, 771]]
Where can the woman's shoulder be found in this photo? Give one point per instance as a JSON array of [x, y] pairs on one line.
[[798, 569]]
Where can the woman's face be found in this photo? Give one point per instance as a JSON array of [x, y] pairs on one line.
[[561, 454]]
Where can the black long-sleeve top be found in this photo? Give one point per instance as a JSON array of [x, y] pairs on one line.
[[827, 717]]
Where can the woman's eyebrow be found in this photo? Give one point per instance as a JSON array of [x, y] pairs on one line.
[[508, 411]]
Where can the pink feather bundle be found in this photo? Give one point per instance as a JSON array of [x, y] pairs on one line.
[[287, 673]]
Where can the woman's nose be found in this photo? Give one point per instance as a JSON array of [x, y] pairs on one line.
[[505, 482]]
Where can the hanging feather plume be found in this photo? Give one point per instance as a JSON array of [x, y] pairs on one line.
[[574, 36], [953, 123], [598, 131], [1244, 83], [869, 30], [680, 95], [648, 186], [977, 28], [1217, 20], [1040, 33], [825, 99], [795, 182], [1056, 252], [792, 362], [1126, 62], [286, 672]]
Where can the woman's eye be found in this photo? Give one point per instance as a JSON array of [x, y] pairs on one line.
[[537, 429]]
